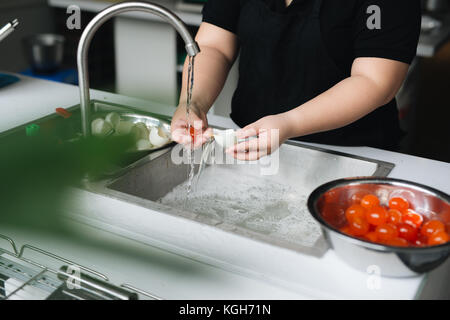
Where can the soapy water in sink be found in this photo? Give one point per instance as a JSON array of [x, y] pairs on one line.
[[251, 202]]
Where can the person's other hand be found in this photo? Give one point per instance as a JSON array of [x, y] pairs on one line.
[[179, 126], [264, 137]]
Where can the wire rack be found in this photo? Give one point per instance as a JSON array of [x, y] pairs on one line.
[[26, 279]]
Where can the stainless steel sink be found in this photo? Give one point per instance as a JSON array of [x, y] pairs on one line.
[[258, 211], [130, 201], [301, 169]]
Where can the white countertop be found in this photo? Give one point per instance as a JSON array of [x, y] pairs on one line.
[[172, 276]]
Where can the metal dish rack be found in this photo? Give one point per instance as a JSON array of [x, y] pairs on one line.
[[22, 278]]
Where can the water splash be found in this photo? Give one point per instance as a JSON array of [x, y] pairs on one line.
[[207, 152]]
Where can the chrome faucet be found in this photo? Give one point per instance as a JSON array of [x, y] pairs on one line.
[[8, 29], [85, 40]]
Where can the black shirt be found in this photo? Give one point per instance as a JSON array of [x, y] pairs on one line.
[[344, 26]]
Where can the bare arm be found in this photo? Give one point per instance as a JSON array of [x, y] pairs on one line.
[[218, 51], [373, 83]]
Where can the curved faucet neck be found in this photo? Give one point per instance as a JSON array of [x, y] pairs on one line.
[[85, 41]]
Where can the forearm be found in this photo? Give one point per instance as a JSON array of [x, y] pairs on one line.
[[346, 102], [210, 72]]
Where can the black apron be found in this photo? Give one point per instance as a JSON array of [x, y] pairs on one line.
[[284, 63]]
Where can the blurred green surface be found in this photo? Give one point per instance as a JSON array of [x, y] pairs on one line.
[[36, 170]]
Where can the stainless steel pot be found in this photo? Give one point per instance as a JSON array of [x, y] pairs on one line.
[[363, 255], [44, 52]]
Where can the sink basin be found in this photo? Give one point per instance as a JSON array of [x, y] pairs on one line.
[[236, 198]]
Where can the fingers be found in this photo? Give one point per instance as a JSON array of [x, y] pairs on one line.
[[181, 138], [262, 142], [179, 128], [253, 148], [181, 135], [179, 131], [200, 140], [245, 146], [180, 123], [208, 133], [247, 132], [249, 156], [250, 150]]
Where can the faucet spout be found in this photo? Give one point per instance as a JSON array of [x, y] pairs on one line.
[[192, 48]]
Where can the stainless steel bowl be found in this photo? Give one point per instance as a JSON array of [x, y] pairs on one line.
[[44, 52], [148, 120], [363, 255]]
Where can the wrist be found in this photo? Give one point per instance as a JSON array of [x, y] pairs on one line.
[[195, 106], [292, 124]]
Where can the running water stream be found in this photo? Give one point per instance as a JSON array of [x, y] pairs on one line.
[[207, 148], [190, 150]]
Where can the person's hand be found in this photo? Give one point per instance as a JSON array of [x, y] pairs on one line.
[[264, 137], [179, 126]]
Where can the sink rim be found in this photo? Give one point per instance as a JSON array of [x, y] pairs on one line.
[[383, 169], [76, 108]]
